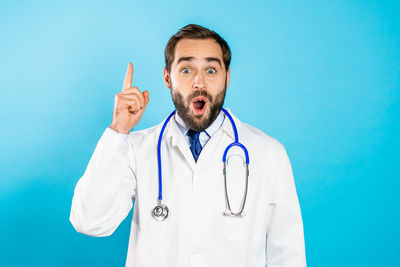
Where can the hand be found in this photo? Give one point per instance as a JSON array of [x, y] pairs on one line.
[[129, 105]]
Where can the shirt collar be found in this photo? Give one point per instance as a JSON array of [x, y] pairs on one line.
[[172, 129], [209, 131]]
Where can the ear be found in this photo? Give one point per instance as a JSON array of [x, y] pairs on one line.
[[228, 76], [167, 79]]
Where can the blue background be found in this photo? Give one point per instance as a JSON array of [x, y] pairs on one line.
[[321, 77]]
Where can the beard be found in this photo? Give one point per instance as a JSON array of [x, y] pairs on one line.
[[198, 122]]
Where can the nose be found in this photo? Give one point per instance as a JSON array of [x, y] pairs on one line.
[[198, 81]]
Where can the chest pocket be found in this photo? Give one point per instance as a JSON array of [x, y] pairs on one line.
[[252, 226]]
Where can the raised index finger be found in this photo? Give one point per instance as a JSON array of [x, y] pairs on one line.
[[128, 77]]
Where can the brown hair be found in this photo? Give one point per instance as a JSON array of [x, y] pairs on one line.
[[193, 31]]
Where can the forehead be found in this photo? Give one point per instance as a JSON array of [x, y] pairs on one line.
[[198, 49]]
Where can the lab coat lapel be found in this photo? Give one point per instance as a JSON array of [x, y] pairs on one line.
[[227, 125], [177, 141], [215, 141]]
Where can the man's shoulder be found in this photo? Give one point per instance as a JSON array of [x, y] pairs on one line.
[[258, 137], [144, 135], [145, 131], [254, 136]]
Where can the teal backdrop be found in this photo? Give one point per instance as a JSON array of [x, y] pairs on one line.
[[320, 76]]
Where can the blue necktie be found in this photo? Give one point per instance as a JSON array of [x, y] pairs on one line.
[[195, 146]]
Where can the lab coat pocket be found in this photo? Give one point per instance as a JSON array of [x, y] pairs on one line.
[[252, 226]]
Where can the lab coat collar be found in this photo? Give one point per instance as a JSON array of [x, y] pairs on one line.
[[173, 134], [227, 126]]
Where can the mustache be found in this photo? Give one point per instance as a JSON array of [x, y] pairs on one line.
[[200, 93]]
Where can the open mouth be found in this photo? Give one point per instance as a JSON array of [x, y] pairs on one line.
[[199, 105]]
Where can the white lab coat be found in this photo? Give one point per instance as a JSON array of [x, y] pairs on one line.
[[123, 168]]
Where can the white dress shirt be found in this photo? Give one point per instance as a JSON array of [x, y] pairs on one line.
[[196, 233]]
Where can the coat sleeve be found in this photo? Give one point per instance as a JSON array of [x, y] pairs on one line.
[[285, 238], [103, 195]]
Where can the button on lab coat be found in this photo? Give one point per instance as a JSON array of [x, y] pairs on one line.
[[123, 171]]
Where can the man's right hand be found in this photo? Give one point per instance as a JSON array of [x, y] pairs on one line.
[[129, 105]]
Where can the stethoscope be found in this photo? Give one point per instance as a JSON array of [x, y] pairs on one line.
[[160, 212]]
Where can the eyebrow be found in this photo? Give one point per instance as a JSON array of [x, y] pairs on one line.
[[208, 59]]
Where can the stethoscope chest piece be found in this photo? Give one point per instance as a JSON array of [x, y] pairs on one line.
[[160, 212]]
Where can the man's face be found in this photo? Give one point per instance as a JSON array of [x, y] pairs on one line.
[[198, 81]]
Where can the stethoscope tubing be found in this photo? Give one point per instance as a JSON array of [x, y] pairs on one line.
[[159, 156], [224, 160]]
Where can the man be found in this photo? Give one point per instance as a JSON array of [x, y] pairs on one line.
[[197, 231]]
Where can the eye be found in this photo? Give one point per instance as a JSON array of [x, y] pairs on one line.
[[186, 70], [211, 71]]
